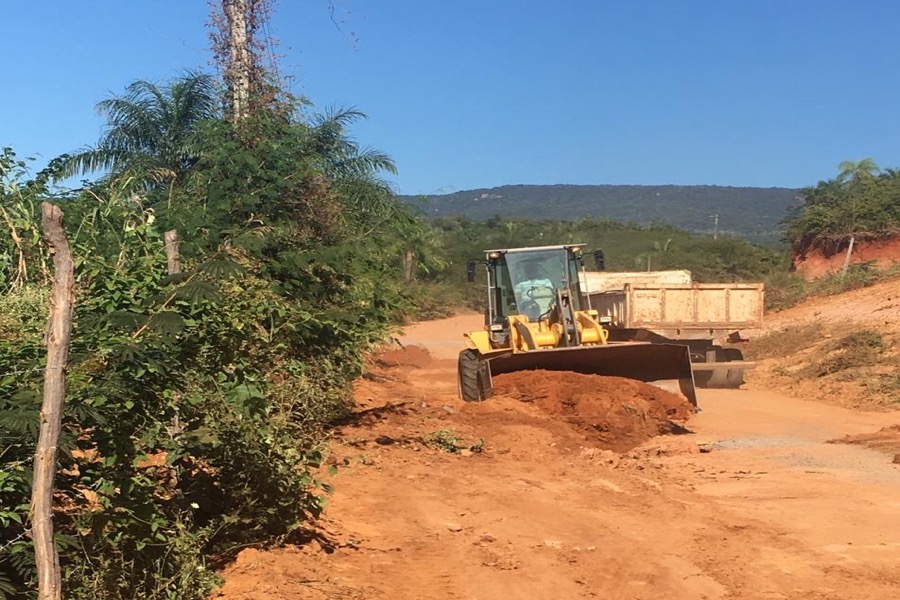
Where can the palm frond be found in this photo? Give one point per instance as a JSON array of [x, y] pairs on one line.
[[150, 129]]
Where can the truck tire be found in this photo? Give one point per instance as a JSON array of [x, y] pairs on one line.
[[473, 378], [702, 378], [734, 377], [730, 379]]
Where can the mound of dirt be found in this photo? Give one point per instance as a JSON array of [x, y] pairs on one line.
[[886, 439], [404, 356], [619, 414]]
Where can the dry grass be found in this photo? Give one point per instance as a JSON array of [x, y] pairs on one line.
[[856, 365], [785, 342]]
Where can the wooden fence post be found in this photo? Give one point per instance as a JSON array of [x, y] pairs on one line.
[[59, 333], [173, 251], [409, 265]]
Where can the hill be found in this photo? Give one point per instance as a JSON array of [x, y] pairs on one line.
[[751, 213]]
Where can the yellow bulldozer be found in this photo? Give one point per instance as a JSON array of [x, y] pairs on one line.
[[538, 318]]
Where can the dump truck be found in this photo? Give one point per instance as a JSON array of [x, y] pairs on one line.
[[538, 316], [668, 307]]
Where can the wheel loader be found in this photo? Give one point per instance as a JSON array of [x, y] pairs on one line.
[[538, 318]]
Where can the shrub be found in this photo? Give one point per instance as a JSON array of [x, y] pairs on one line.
[[785, 342], [860, 348]]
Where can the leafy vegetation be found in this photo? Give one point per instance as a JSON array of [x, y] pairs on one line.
[[151, 131], [860, 348], [859, 204], [448, 440], [785, 342], [197, 401], [852, 349], [840, 359]]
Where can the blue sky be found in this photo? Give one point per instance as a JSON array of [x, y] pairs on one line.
[[478, 93]]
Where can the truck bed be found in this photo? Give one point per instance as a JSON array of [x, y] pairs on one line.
[[682, 308]]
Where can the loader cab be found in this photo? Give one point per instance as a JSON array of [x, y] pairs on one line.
[[525, 281]]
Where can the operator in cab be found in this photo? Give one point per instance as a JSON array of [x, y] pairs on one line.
[[532, 279], [534, 293]]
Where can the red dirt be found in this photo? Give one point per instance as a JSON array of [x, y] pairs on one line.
[[816, 263], [878, 304], [886, 440], [753, 504], [617, 413], [403, 356]]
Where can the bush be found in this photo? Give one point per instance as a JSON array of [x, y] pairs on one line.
[[785, 342], [861, 348], [197, 403], [193, 419]]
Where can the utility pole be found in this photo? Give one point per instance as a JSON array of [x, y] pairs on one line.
[[715, 226]]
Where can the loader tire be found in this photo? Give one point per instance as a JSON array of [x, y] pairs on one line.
[[474, 382]]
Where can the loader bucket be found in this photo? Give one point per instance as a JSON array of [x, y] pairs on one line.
[[667, 366]]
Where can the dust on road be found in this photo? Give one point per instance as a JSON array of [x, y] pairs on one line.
[[751, 503]]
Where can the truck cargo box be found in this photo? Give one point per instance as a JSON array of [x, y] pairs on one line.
[[677, 310], [596, 282]]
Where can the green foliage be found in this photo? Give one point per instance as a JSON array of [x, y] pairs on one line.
[[851, 355], [151, 135], [857, 276], [626, 248], [784, 289], [448, 440], [785, 342], [23, 314], [861, 202], [431, 300], [197, 402], [22, 260], [177, 435]]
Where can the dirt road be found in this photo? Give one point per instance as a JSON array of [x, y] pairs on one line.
[[527, 506]]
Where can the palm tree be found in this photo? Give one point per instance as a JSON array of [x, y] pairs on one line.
[[342, 157], [354, 172], [854, 175], [150, 131], [857, 170]]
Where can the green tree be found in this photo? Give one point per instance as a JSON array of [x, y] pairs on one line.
[[859, 202], [856, 170], [150, 132]]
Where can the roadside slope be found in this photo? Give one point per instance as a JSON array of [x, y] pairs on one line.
[[842, 349], [878, 304]]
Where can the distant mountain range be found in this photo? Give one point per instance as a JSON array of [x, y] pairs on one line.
[[751, 213]]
